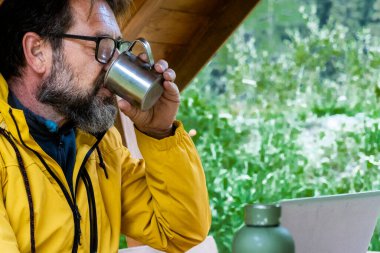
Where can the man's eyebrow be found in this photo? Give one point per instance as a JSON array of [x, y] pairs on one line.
[[100, 34]]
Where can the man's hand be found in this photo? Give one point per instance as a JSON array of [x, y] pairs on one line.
[[158, 121]]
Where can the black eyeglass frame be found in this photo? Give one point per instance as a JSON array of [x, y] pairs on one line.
[[97, 40]]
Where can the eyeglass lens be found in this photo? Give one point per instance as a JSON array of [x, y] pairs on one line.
[[124, 46], [105, 50]]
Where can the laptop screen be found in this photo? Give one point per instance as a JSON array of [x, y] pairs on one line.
[[332, 224]]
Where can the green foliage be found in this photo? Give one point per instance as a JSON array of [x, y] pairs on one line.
[[298, 122], [271, 19]]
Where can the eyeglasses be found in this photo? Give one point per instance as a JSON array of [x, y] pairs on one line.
[[105, 46]]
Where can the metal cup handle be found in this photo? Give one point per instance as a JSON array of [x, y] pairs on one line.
[[147, 48]]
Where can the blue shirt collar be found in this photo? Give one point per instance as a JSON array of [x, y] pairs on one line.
[[36, 123]]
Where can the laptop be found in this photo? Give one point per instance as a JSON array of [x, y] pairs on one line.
[[332, 224]]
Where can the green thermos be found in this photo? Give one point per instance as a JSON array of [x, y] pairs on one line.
[[262, 232]]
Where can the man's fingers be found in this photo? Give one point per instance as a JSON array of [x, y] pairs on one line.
[[144, 57], [161, 65], [171, 92], [169, 75]]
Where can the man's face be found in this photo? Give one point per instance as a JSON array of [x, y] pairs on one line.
[[74, 87]]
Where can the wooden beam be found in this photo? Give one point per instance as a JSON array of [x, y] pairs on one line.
[[138, 21], [172, 27], [224, 21], [193, 6], [169, 52]]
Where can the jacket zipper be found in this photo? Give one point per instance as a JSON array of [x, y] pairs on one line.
[[72, 202], [90, 196], [92, 207]]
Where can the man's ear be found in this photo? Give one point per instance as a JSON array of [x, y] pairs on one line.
[[37, 52]]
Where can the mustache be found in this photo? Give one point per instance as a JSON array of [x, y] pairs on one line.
[[98, 83]]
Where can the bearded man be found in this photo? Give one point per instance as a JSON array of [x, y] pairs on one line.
[[66, 181]]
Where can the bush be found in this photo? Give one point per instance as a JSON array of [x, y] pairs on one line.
[[299, 123]]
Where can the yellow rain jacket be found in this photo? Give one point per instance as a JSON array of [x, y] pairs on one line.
[[161, 201]]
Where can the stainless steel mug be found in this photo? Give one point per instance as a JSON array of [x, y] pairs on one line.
[[135, 80]]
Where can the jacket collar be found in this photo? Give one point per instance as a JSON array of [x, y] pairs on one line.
[[3, 88], [13, 120]]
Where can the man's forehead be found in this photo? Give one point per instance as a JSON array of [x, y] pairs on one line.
[[95, 14]]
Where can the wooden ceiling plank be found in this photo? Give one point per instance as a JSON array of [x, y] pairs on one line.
[[192, 6], [165, 51], [139, 20], [134, 6], [173, 27], [225, 21]]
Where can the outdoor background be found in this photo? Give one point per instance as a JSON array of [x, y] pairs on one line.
[[289, 108]]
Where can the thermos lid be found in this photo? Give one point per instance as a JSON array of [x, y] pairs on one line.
[[262, 214]]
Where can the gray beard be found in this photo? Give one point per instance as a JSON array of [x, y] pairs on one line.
[[85, 109]]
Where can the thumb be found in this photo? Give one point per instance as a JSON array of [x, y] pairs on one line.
[[126, 108]]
